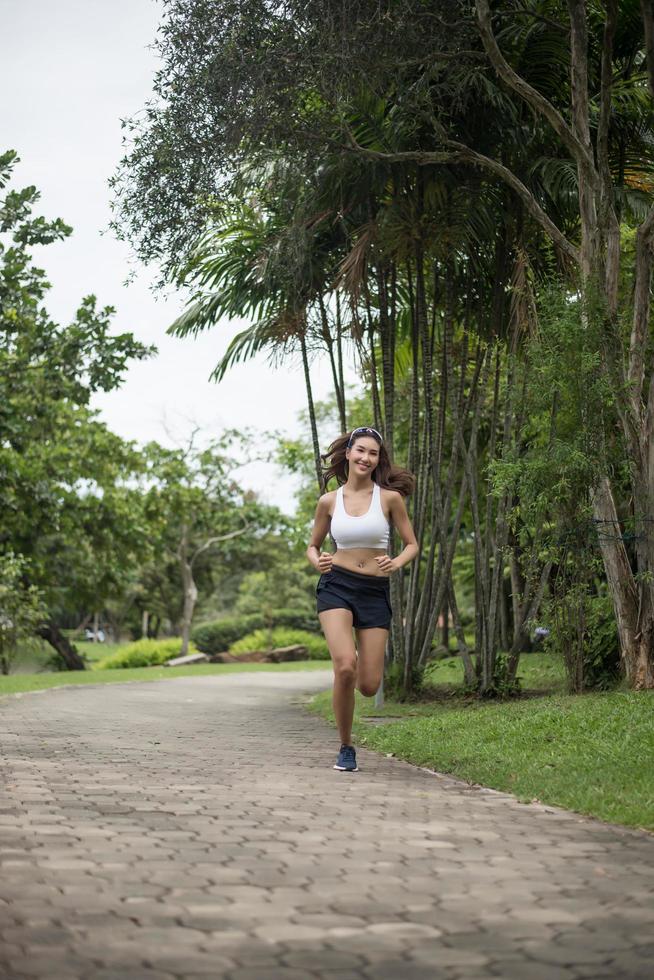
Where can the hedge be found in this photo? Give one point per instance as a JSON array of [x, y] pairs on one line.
[[218, 636], [144, 653], [282, 636]]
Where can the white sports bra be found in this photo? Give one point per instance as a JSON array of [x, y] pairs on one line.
[[369, 530]]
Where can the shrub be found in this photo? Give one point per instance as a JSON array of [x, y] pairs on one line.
[[282, 637], [298, 619], [218, 636], [144, 653], [394, 681], [585, 633], [602, 647]]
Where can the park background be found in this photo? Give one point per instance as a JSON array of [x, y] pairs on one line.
[[442, 237]]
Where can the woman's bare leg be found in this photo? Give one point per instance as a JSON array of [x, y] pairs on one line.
[[371, 645], [337, 627]]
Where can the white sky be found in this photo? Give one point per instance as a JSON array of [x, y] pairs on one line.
[[69, 71]]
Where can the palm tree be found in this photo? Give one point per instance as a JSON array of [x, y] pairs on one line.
[[269, 262]]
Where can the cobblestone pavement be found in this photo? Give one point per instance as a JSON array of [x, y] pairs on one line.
[[194, 828]]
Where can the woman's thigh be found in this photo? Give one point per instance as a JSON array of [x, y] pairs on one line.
[[371, 645], [337, 626]]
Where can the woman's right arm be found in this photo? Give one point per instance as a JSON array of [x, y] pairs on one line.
[[321, 560]]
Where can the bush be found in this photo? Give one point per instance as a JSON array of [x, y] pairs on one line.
[[282, 637], [297, 619], [144, 653], [394, 681], [585, 633], [602, 647], [218, 636]]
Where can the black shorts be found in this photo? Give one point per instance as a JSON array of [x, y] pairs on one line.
[[366, 596]]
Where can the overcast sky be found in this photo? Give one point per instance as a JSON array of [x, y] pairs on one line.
[[69, 71]]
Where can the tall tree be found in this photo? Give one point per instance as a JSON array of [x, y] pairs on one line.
[[270, 260], [199, 518], [60, 468]]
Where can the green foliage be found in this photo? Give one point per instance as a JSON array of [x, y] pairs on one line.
[[394, 686], [263, 639], [144, 653], [197, 513], [21, 607], [297, 619], [67, 498], [568, 415], [221, 184], [217, 637], [503, 685], [287, 586], [585, 635]]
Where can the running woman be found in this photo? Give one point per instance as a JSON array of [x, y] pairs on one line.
[[354, 589]]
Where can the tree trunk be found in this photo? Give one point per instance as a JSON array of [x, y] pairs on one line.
[[190, 590], [445, 628], [339, 353], [372, 361], [336, 374], [51, 633], [190, 599], [312, 412], [633, 611], [468, 666]]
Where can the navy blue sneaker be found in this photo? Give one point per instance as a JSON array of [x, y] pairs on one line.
[[347, 759]]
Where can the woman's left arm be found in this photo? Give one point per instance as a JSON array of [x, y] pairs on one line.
[[400, 518]]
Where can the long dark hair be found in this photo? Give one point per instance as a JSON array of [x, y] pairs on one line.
[[387, 475]]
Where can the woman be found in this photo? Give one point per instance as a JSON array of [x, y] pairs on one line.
[[353, 589]]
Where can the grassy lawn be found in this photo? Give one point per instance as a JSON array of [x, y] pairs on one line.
[[96, 651], [15, 683], [590, 753], [537, 672], [33, 655]]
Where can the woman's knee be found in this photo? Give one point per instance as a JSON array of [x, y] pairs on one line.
[[345, 671], [368, 688]]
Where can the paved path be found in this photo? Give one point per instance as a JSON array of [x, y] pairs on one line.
[[193, 828]]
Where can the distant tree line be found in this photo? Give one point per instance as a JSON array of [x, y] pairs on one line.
[[93, 528]]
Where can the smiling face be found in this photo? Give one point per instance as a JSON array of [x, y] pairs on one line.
[[363, 456]]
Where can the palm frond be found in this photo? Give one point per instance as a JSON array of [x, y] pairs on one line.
[[246, 345]]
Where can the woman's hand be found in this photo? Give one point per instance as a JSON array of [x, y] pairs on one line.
[[385, 563], [324, 562]]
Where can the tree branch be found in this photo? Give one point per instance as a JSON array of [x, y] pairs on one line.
[[211, 541], [460, 153], [530, 95]]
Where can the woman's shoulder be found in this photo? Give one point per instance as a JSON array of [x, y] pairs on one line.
[[392, 501], [390, 495], [325, 501]]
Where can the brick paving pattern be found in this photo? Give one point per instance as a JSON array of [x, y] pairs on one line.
[[194, 828]]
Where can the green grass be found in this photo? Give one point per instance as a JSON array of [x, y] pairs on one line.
[[537, 672], [590, 753], [96, 651], [33, 655], [16, 683]]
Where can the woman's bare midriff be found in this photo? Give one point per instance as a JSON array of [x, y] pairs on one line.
[[361, 560]]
